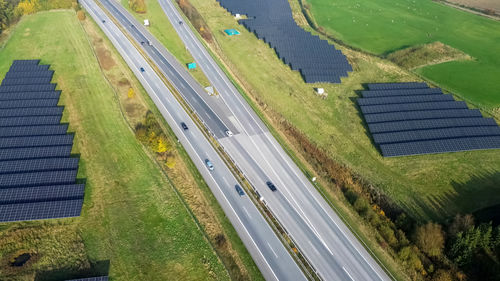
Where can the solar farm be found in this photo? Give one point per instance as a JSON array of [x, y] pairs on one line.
[[37, 174], [411, 118], [272, 21]]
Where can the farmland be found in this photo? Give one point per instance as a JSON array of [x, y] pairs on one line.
[[131, 219], [381, 27]]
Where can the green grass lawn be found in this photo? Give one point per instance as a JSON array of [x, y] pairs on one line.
[[383, 26], [429, 186], [131, 216]]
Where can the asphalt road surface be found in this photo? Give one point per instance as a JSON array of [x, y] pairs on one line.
[[264, 246], [326, 242]]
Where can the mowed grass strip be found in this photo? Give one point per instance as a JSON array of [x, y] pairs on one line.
[[131, 215], [428, 186], [384, 26]]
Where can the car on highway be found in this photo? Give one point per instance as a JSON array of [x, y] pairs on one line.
[[239, 190], [184, 126], [271, 186], [180, 22], [209, 164], [142, 69], [103, 21], [229, 133]]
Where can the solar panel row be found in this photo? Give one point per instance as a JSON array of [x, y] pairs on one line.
[[37, 174], [411, 118], [272, 21], [30, 95]]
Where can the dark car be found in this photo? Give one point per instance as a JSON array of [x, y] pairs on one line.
[[239, 190], [180, 22], [184, 126], [142, 69], [103, 21], [271, 186]]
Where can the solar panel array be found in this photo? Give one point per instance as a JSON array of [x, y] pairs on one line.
[[272, 21], [37, 174], [411, 119]]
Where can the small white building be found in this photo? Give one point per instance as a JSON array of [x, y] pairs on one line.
[[146, 22], [319, 91], [237, 16]]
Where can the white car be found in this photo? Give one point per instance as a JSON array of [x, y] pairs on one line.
[[229, 133]]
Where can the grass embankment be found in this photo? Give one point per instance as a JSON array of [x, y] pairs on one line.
[[381, 27], [131, 215], [164, 32]]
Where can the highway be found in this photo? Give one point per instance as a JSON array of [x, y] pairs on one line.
[[266, 249], [326, 242]]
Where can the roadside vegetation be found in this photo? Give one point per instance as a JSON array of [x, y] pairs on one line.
[[392, 203], [133, 223]]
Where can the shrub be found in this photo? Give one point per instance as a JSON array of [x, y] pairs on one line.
[[81, 15], [138, 6], [362, 206], [430, 239]]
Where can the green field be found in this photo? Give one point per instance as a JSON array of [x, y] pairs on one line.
[[384, 26], [131, 216]]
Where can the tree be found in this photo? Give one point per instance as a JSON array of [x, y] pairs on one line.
[[430, 239], [27, 7], [442, 275], [460, 223]]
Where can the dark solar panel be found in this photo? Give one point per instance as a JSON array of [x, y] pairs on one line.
[[37, 174], [433, 134], [28, 88], [28, 103], [25, 62], [38, 178], [40, 210], [30, 95], [411, 125], [410, 118], [273, 22], [35, 152], [401, 92], [26, 81], [392, 86], [29, 74], [421, 115], [404, 99], [367, 109], [30, 120], [440, 146], [32, 111], [34, 68], [43, 130], [51, 140], [41, 193], [36, 165]]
